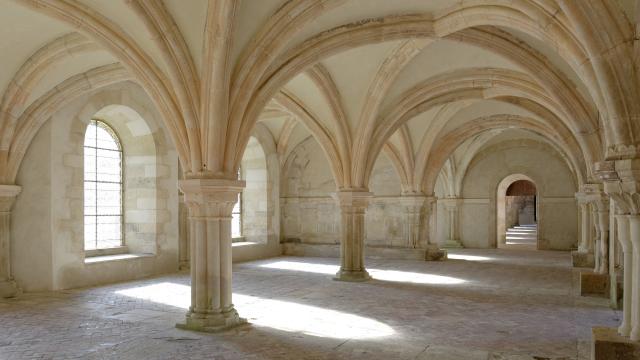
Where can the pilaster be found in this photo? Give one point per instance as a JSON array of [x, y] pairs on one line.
[[452, 206], [8, 286], [621, 180], [210, 203], [599, 201], [353, 205], [419, 214]]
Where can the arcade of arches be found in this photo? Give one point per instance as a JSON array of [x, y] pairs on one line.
[[468, 171]]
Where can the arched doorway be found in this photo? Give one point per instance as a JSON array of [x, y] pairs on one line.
[[517, 213]]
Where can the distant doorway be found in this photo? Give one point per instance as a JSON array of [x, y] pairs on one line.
[[517, 206]]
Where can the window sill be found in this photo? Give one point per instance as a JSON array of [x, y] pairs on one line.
[[117, 257], [237, 239], [243, 243], [106, 252]]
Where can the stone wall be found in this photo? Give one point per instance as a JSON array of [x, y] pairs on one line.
[[556, 185], [310, 215], [150, 200]]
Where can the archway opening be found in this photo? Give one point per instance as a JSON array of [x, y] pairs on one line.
[[517, 213]]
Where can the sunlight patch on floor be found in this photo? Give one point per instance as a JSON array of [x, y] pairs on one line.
[[277, 314], [468, 257], [386, 275]]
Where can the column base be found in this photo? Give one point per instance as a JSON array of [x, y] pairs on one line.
[[582, 259], [607, 344], [453, 244], [435, 254], [594, 284], [9, 289], [352, 276], [212, 322]]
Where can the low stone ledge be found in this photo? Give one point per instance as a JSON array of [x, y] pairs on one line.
[[607, 344], [582, 259], [119, 257]]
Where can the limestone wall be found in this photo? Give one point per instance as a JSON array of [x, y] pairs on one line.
[[310, 215], [150, 200], [557, 225]]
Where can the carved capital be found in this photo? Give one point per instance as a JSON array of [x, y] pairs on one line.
[[210, 198], [357, 200], [451, 203], [593, 194], [624, 187]]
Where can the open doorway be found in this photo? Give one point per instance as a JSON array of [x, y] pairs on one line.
[[518, 215]]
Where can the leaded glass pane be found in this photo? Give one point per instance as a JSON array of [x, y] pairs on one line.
[[102, 187]]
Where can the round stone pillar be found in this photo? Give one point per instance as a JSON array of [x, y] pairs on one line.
[[353, 205], [627, 251], [596, 238], [603, 253], [8, 287], [585, 236], [210, 203], [634, 235]]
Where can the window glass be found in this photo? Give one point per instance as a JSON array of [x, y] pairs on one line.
[[102, 187]]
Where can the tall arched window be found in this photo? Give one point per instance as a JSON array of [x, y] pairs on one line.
[[102, 187], [236, 214]]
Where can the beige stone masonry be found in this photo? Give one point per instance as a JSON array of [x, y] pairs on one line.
[[353, 205], [8, 287], [210, 202], [452, 205]]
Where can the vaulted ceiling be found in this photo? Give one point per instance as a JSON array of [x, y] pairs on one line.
[[414, 79]]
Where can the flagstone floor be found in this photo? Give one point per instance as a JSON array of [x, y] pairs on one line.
[[480, 304]]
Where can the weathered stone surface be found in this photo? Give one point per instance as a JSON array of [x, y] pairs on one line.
[[511, 304], [594, 284], [609, 345], [582, 259]]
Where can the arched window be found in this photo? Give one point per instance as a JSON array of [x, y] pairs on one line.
[[102, 187], [236, 214]]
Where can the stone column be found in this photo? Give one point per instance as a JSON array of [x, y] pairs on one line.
[[183, 234], [634, 235], [585, 234], [8, 287], [414, 206], [353, 204], [453, 235], [419, 211], [625, 243], [210, 203], [603, 253], [596, 237]]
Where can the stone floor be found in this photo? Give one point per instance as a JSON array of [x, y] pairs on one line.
[[481, 304]]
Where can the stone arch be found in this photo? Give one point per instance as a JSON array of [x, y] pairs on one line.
[[142, 202], [502, 187], [150, 196]]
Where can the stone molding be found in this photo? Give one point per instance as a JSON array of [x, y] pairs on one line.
[[211, 198], [357, 199]]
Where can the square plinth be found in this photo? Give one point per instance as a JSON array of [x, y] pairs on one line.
[[582, 259], [607, 344], [592, 284]]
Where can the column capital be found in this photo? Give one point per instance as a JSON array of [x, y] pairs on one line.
[[8, 194], [594, 194], [623, 183], [353, 198], [417, 199], [451, 203], [211, 197]]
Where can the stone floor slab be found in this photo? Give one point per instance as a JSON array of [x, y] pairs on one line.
[[479, 304]]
